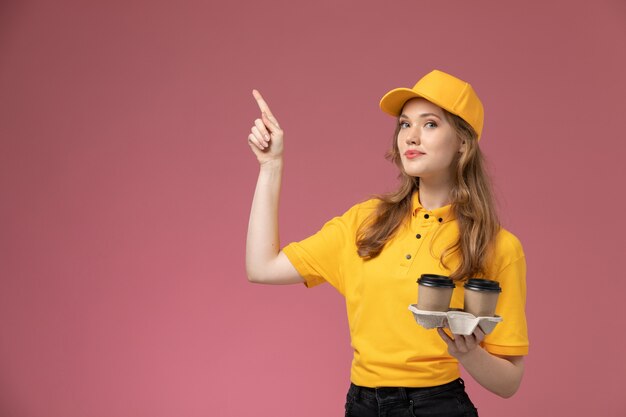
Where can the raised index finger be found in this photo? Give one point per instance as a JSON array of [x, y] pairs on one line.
[[262, 104]]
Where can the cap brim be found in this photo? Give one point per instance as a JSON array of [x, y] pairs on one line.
[[394, 100]]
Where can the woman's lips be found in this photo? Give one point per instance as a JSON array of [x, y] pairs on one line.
[[412, 154]]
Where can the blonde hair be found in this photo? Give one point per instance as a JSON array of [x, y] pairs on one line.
[[471, 199]]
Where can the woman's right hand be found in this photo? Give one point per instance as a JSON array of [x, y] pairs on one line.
[[266, 139]]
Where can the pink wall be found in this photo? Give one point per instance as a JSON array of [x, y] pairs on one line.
[[126, 182]]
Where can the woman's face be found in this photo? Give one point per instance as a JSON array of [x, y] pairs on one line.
[[427, 142]]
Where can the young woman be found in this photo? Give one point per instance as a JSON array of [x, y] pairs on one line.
[[441, 220]]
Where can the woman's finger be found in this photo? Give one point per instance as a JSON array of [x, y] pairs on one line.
[[468, 342], [442, 333], [258, 123], [272, 121], [479, 334], [261, 103], [253, 141], [459, 342], [259, 137]]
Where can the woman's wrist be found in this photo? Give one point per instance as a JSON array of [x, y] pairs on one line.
[[271, 164]]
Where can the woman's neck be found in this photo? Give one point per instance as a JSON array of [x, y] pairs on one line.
[[434, 195]]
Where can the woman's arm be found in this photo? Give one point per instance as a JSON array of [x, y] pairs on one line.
[[501, 375], [265, 263]]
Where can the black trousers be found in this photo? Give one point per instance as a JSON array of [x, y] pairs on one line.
[[448, 400]]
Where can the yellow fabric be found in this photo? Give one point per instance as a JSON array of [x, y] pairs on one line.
[[390, 348]]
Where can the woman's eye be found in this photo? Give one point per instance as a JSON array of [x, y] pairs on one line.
[[404, 124], [430, 124]]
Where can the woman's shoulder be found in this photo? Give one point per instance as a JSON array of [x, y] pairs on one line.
[[364, 207], [369, 204], [361, 211], [507, 246]]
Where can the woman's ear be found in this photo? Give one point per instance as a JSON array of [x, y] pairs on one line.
[[462, 147]]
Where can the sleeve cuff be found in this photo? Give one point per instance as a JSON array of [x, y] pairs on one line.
[[310, 280], [506, 350]]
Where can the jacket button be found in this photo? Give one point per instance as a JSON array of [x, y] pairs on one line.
[[426, 216], [440, 219], [418, 236], [408, 256]]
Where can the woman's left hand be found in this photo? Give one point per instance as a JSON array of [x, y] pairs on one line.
[[460, 345]]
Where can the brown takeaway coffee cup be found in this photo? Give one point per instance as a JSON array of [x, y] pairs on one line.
[[435, 292], [481, 297]]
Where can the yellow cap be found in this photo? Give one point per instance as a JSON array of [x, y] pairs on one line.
[[444, 90]]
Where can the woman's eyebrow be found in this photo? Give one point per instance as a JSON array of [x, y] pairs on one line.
[[422, 115]]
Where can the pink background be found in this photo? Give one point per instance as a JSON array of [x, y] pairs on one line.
[[126, 183]]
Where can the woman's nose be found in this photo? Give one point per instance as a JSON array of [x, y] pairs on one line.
[[412, 138]]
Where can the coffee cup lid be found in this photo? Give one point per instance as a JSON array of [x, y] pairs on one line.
[[478, 284], [432, 280]]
